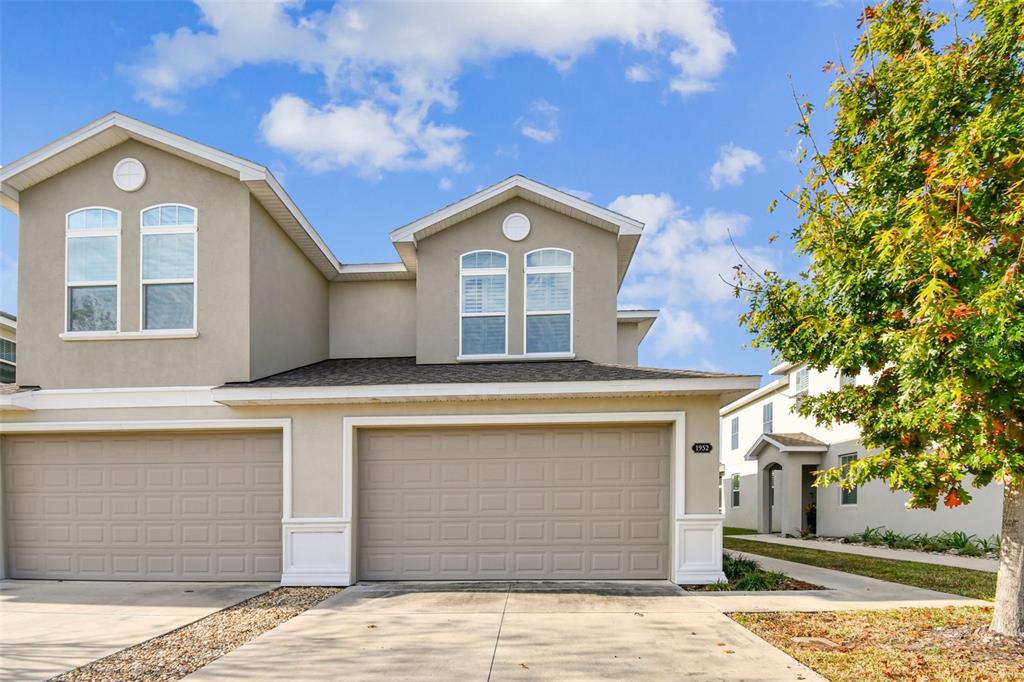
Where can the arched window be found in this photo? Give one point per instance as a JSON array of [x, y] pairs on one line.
[[483, 303], [168, 280], [92, 270], [548, 324]]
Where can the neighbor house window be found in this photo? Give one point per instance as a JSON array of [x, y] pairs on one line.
[[483, 303], [735, 490], [801, 381], [847, 496], [735, 426], [766, 418], [549, 301], [8, 358], [847, 379], [169, 267], [92, 270]]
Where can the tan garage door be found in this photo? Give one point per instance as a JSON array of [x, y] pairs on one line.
[[531, 503], [143, 507]]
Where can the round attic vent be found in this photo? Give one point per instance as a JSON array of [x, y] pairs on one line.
[[129, 174], [516, 227]]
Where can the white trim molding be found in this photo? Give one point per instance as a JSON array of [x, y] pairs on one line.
[[316, 552], [698, 549], [100, 398]]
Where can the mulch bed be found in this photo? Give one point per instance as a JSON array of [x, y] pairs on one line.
[[789, 584], [180, 652]]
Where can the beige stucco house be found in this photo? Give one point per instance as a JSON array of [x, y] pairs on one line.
[[206, 392]]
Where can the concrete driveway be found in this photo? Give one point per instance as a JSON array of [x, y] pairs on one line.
[[49, 627], [509, 631]]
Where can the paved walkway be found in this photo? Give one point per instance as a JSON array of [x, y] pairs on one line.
[[649, 631], [846, 592], [975, 563], [48, 627]]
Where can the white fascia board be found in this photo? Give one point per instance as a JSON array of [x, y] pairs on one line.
[[373, 271], [108, 398], [9, 198], [767, 389], [626, 225], [783, 367], [244, 170], [765, 439], [412, 392], [300, 218], [636, 315]]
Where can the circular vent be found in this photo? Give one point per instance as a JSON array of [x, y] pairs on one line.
[[516, 227], [129, 174]]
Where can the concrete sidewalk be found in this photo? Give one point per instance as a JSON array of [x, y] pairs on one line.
[[973, 563], [650, 631], [845, 592]]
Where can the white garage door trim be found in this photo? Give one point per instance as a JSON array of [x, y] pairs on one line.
[[321, 551]]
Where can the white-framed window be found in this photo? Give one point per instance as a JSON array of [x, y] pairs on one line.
[[847, 498], [801, 382], [767, 417], [8, 359], [483, 303], [548, 306], [735, 490], [92, 270], [734, 425], [168, 238], [847, 379]]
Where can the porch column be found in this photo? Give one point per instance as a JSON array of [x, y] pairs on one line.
[[764, 482], [790, 498]]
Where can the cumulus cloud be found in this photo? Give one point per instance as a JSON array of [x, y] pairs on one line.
[[445, 184], [638, 73], [679, 265], [732, 164], [541, 122], [391, 67]]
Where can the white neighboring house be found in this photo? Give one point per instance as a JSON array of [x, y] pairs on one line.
[[769, 453], [8, 347]]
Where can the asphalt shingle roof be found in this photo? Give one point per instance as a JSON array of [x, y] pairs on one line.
[[404, 370], [794, 439]]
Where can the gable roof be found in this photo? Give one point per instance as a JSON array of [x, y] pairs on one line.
[[115, 128], [786, 442], [628, 230]]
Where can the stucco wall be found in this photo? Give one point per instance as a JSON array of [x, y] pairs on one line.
[[317, 446], [373, 319], [220, 352], [288, 305], [628, 343], [594, 292]]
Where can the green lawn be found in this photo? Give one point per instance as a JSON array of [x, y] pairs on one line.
[[949, 579], [729, 530]]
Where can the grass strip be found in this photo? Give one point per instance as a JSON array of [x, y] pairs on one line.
[[948, 579]]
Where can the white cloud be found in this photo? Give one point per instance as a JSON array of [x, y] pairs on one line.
[[676, 331], [580, 193], [445, 184], [638, 73], [733, 162], [541, 122], [679, 266], [390, 67]]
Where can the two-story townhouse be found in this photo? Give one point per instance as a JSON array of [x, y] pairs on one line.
[[770, 454], [206, 392]]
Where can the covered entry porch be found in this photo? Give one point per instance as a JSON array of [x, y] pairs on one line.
[[786, 463]]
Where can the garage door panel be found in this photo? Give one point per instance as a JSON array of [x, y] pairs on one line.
[[562, 502], [147, 507]]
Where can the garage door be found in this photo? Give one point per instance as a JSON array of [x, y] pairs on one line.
[[497, 504], [143, 507]]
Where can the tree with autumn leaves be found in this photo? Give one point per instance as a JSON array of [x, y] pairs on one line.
[[912, 219]]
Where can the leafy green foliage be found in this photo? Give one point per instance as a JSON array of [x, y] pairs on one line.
[[912, 219], [962, 543]]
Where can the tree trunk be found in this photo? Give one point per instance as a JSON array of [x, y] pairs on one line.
[[1009, 613]]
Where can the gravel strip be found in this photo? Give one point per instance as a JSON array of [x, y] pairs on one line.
[[174, 655]]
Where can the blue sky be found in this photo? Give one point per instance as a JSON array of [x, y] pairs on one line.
[[373, 115]]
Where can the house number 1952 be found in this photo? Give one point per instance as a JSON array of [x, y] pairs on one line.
[[702, 447]]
